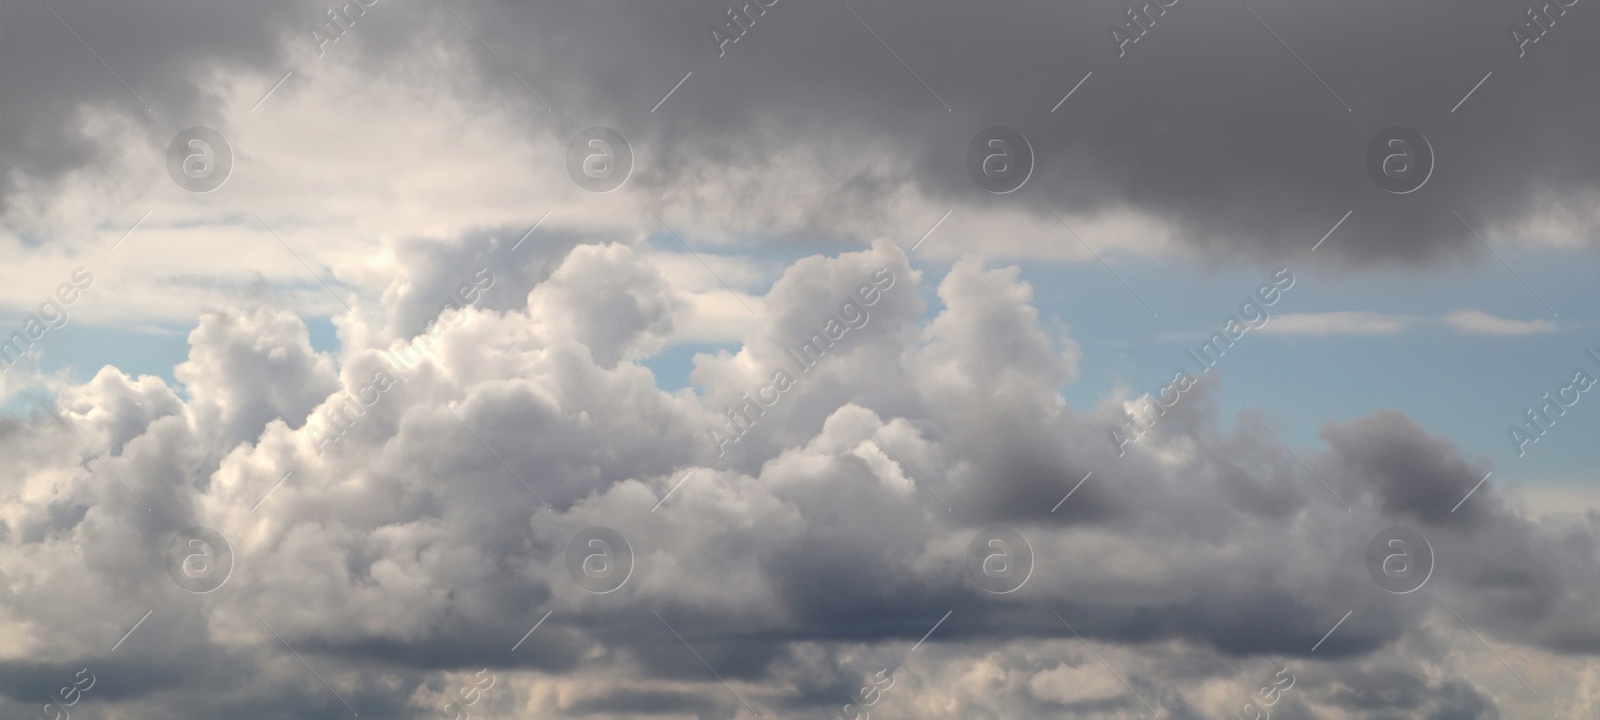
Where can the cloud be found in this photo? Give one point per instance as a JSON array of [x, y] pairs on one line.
[[1336, 323], [1477, 322], [809, 125], [1465, 322], [1070, 685], [429, 539], [382, 571]]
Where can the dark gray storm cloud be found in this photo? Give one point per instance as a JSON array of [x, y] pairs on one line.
[[1208, 122], [160, 50]]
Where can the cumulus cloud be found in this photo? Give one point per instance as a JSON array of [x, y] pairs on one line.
[[423, 544]]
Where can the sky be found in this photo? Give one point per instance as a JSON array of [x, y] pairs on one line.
[[422, 358]]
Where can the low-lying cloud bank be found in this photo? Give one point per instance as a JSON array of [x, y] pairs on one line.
[[405, 564]]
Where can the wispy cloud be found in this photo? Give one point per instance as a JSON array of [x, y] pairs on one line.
[[1464, 322], [1477, 322], [1337, 323]]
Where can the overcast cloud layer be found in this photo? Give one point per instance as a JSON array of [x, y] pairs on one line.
[[1207, 127], [406, 513]]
